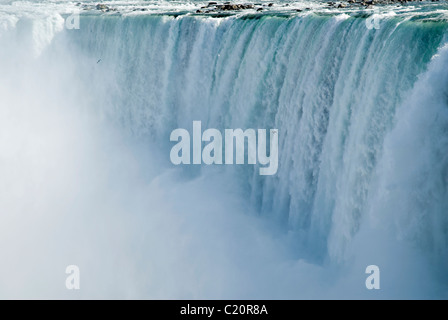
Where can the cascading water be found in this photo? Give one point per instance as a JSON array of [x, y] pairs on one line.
[[363, 137]]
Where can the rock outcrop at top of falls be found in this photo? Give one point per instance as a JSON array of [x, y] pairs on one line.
[[220, 7]]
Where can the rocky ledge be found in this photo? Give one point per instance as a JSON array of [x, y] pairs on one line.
[[228, 6], [369, 3], [100, 7], [215, 7]]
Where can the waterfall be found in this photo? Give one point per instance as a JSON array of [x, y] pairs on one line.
[[362, 114]]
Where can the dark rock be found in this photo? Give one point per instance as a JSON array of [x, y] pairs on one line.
[[101, 7], [235, 7], [228, 6], [198, 11], [212, 3]]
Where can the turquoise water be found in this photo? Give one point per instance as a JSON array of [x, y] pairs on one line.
[[362, 116]]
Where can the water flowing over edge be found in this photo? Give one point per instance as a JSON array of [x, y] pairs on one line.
[[362, 118]]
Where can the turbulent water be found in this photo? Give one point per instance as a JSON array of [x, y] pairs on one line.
[[85, 120]]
